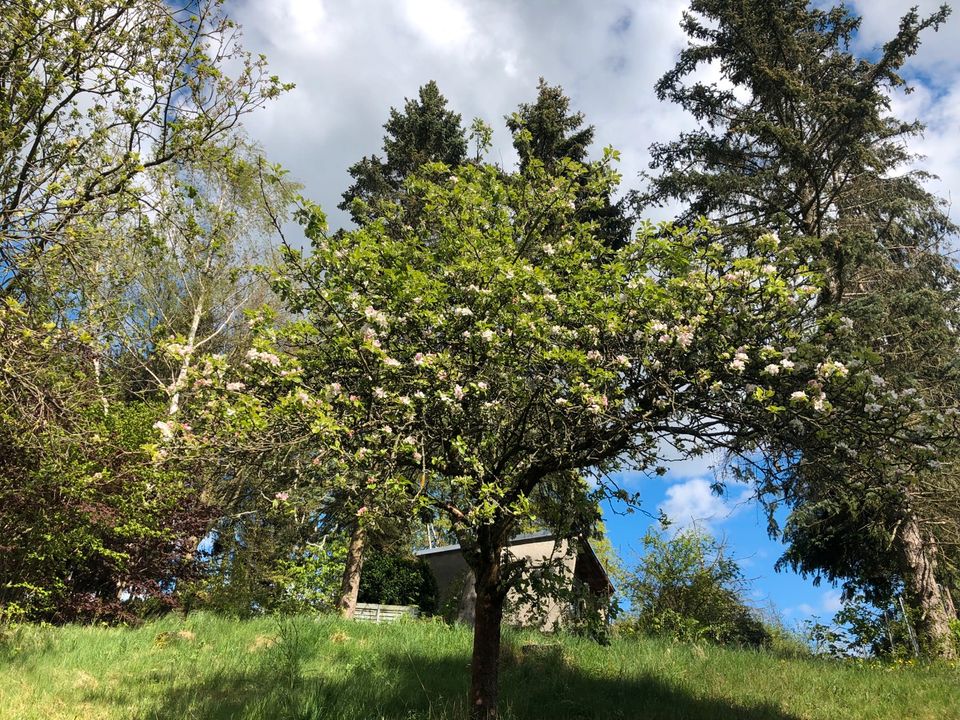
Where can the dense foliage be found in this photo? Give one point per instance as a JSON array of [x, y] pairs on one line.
[[117, 146], [93, 94], [393, 579], [687, 587], [95, 530], [426, 131], [487, 343], [546, 131]]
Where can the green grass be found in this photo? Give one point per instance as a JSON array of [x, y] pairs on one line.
[[211, 667]]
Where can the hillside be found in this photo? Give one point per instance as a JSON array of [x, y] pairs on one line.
[[210, 667]]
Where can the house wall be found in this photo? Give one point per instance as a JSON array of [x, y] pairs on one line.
[[547, 612], [453, 574], [448, 569]]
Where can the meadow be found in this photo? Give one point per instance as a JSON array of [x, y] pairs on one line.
[[210, 667]]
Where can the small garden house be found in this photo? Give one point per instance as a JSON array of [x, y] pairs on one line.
[[575, 565]]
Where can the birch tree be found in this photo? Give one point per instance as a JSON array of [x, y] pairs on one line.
[[94, 93]]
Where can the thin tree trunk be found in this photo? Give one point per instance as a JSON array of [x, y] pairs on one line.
[[485, 664], [187, 358], [103, 398], [97, 368], [350, 586], [920, 554]]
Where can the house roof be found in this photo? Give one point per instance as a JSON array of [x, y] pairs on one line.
[[515, 540], [594, 573], [587, 562]]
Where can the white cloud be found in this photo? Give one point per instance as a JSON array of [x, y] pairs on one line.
[[799, 610], [352, 60], [685, 467], [934, 74], [832, 602], [679, 465], [306, 23], [940, 153], [881, 20], [693, 502], [443, 24]]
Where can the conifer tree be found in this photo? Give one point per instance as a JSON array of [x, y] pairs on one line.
[[546, 131], [553, 133], [426, 131], [798, 138]]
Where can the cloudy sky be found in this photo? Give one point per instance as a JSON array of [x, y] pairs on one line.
[[352, 60]]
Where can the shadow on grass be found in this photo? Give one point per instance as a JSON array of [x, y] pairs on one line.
[[408, 685]]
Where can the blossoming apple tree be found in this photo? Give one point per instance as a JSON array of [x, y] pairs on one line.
[[477, 341], [489, 341]]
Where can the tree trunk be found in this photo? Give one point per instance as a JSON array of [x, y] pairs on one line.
[[350, 586], [181, 378], [485, 664], [948, 603], [933, 600], [103, 398]]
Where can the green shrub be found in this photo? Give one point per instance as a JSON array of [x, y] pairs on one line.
[[93, 529], [398, 580], [687, 588], [261, 575]]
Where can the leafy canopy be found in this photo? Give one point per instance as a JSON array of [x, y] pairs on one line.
[[483, 340]]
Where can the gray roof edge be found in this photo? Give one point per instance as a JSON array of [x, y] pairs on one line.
[[520, 540], [515, 540]]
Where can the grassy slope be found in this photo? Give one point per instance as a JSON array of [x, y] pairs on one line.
[[209, 667]]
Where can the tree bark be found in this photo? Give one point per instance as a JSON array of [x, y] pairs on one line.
[[948, 603], [97, 374], [485, 664], [933, 600], [181, 378], [350, 586]]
